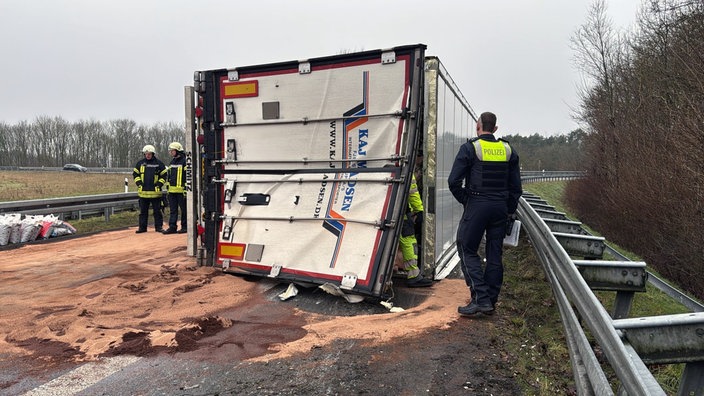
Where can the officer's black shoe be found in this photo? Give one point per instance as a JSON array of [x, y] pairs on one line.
[[140, 230], [474, 308], [182, 231], [419, 281], [169, 231]]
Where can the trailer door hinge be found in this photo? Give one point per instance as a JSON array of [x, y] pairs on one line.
[[388, 225], [304, 68], [231, 153], [349, 280], [275, 270], [233, 75], [229, 191], [227, 229], [388, 57]]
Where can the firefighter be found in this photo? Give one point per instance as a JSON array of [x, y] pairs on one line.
[[148, 175], [176, 182], [485, 178], [408, 242]]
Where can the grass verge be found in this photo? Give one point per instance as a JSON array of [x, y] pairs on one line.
[[25, 185], [531, 326]]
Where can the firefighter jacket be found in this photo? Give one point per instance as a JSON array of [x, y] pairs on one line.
[[486, 169], [149, 176], [176, 174]]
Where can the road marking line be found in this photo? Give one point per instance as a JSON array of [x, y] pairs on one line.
[[82, 377]]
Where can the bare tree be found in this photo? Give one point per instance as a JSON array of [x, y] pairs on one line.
[[645, 117]]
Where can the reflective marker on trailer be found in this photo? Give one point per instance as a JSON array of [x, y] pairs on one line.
[[233, 251]]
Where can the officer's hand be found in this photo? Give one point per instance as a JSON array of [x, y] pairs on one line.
[[509, 226], [509, 223]]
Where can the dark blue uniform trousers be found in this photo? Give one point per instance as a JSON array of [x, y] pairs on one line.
[[177, 202], [144, 204], [479, 217]]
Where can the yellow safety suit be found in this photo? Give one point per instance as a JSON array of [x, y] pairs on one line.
[[407, 242]]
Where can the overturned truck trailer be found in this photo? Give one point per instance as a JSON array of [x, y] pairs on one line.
[[301, 169]]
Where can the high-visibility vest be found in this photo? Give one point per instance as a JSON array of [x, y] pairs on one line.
[[490, 173]]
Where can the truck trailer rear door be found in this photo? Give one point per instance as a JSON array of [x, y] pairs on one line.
[[308, 163]]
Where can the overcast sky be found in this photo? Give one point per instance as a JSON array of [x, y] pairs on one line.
[[105, 59]]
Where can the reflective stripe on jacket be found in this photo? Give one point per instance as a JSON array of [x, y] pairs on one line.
[[176, 175], [149, 177]]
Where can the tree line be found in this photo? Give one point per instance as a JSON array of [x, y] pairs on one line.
[[551, 153], [53, 142], [643, 146]]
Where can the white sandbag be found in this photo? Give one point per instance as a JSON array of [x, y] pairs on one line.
[[29, 228], [5, 230], [15, 224]]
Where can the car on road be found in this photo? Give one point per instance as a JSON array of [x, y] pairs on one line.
[[75, 168]]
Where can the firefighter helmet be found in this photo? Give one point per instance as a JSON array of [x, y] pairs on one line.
[[149, 149], [176, 146]]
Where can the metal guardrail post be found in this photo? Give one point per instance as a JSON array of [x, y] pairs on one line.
[[626, 278], [692, 382], [665, 339]]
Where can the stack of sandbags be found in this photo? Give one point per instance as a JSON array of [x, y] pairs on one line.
[[16, 228]]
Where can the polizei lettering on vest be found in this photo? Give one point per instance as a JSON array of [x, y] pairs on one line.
[[494, 152], [351, 185]]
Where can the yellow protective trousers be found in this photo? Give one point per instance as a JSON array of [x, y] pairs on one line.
[[410, 258]]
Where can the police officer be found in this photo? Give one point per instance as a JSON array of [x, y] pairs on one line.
[[176, 176], [149, 175], [485, 178]]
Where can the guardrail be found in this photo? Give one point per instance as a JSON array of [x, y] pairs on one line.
[[74, 207], [58, 169], [533, 176], [628, 343], [557, 224]]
